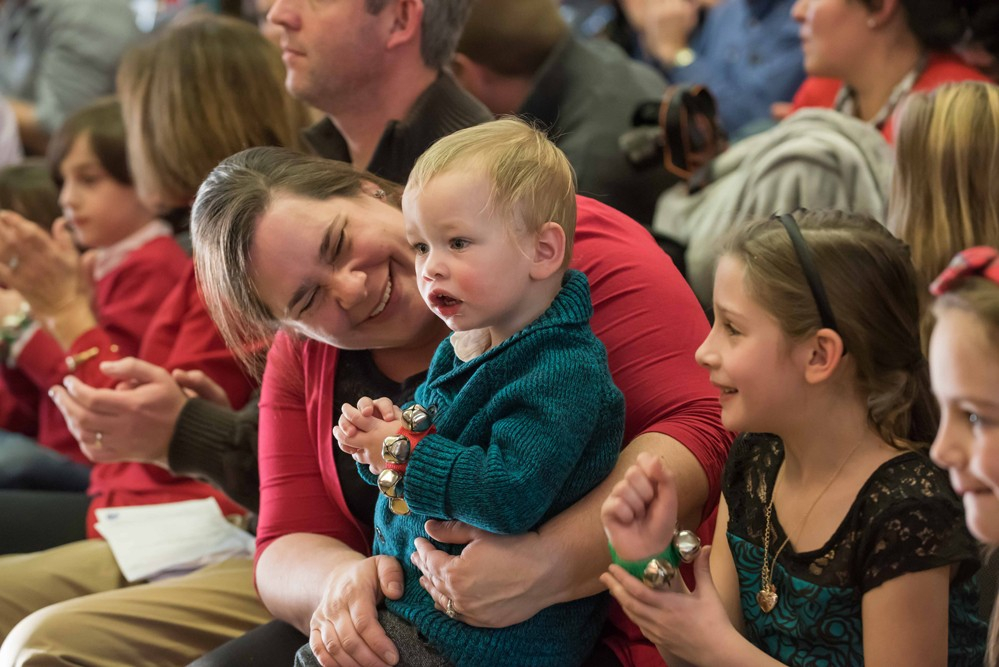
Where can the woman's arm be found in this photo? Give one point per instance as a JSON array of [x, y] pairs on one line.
[[311, 566], [330, 592]]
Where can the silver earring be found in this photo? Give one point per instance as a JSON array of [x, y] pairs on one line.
[[379, 194]]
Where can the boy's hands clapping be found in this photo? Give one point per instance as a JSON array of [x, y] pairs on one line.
[[362, 428]]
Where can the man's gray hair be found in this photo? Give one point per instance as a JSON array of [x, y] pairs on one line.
[[443, 21]]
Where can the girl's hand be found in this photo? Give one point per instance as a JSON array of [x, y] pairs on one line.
[[48, 271], [639, 515], [690, 626], [344, 629], [361, 430]]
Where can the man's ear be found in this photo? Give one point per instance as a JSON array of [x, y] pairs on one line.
[[825, 353], [549, 250], [407, 17]]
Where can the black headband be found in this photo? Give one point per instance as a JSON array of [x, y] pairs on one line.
[[811, 272]]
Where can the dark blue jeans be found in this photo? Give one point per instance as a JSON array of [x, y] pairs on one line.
[[26, 465]]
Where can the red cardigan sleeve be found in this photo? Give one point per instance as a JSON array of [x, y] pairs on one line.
[[126, 302], [294, 493], [182, 335], [651, 324]]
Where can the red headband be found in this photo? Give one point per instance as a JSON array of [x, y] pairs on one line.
[[982, 261]]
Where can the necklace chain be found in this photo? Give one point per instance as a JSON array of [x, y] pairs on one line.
[[767, 597]]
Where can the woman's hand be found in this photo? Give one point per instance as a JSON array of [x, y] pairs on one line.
[[344, 630], [639, 515], [491, 583], [362, 428], [690, 626]]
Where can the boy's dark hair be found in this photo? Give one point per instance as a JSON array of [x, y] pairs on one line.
[[102, 122]]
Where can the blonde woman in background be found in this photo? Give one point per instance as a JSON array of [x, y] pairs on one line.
[[944, 196]]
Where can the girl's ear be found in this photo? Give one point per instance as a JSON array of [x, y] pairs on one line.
[[826, 352], [549, 250]]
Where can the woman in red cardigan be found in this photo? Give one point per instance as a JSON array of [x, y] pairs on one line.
[[864, 56], [57, 302]]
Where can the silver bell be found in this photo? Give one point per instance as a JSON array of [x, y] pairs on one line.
[[395, 449], [658, 573], [688, 545], [417, 418], [388, 483]]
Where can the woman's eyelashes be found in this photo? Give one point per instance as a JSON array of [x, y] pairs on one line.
[[310, 298]]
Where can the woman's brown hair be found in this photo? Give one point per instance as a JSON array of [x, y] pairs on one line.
[[203, 89]]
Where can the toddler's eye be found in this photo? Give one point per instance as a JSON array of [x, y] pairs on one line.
[[420, 248], [459, 244]]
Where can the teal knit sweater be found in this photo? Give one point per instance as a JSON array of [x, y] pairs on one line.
[[523, 432]]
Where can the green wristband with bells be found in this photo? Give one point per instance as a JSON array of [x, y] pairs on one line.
[[658, 571]]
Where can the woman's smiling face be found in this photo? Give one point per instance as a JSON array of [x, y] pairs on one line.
[[340, 271]]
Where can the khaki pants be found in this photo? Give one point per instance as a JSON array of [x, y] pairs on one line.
[[71, 606]]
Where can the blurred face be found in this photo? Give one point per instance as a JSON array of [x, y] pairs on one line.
[[473, 267], [340, 271], [331, 49], [964, 366], [833, 33], [749, 357], [269, 30], [101, 210]]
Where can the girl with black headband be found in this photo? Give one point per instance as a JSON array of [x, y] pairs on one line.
[[838, 542]]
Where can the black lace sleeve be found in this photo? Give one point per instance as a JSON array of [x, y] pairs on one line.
[[913, 522]]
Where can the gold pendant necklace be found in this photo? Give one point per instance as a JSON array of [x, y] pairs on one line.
[[767, 596]]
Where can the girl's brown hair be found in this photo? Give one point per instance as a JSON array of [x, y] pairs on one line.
[[224, 221], [871, 286], [203, 89]]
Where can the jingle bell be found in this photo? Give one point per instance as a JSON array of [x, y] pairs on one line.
[[398, 506], [417, 418], [687, 544], [658, 573], [388, 483], [395, 449]]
